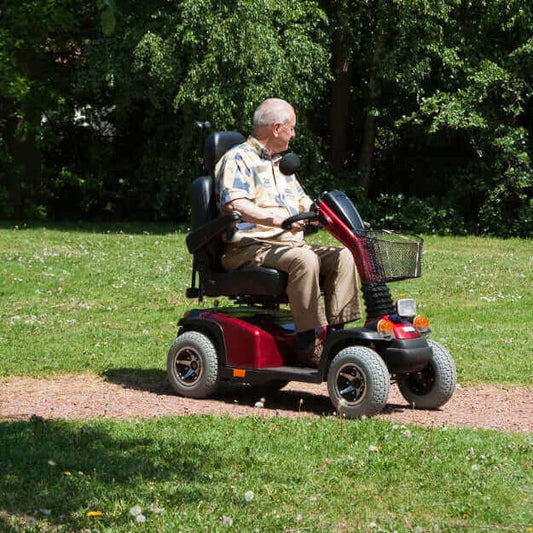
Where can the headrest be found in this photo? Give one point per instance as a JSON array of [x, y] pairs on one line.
[[217, 144]]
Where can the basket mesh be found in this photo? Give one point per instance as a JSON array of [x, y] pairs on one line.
[[392, 256]]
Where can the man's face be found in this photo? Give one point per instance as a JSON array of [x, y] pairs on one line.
[[283, 133]]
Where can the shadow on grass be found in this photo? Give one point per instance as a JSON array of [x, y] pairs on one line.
[[59, 470], [283, 401], [155, 381]]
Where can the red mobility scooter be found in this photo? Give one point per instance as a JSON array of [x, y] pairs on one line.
[[254, 341]]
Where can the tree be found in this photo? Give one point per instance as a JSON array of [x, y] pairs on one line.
[[483, 63], [423, 107], [170, 63], [436, 99], [37, 55]]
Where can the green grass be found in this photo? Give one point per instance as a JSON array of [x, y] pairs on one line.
[[106, 300], [478, 292], [95, 298], [316, 475], [81, 300]]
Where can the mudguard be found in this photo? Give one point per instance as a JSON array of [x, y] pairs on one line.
[[400, 356], [209, 328]]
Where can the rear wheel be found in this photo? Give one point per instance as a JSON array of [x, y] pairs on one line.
[[358, 382], [192, 365], [434, 385]]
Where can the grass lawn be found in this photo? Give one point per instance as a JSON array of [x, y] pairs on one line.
[[97, 299], [195, 473], [106, 299]]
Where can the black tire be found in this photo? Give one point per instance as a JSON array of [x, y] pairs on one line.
[[192, 365], [434, 385], [358, 382]]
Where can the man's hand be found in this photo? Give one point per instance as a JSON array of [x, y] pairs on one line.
[[296, 227]]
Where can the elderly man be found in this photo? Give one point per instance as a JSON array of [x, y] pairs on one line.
[[249, 182]]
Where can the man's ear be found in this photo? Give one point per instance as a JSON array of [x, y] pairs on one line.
[[276, 128]]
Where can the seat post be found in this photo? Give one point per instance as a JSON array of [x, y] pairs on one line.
[[193, 291]]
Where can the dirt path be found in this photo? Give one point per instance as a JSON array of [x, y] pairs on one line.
[[127, 395]]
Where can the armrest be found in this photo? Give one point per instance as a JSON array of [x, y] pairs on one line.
[[201, 236]]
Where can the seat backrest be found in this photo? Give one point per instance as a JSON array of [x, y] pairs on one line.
[[203, 210], [257, 285], [217, 144], [203, 195], [203, 198], [203, 201]]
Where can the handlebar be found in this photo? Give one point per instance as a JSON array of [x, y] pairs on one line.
[[308, 215]]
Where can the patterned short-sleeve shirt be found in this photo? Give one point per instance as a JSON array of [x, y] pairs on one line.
[[248, 171]]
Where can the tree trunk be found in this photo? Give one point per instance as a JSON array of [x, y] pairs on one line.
[[23, 125], [340, 101], [24, 172], [366, 154]]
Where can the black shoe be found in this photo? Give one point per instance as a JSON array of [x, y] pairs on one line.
[[310, 356]]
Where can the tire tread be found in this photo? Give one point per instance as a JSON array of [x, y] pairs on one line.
[[211, 376]]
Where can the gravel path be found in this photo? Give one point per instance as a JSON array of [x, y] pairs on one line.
[[126, 395]]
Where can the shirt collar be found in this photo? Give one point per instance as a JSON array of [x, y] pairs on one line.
[[262, 152]]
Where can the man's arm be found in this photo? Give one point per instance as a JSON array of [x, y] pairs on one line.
[[257, 215]]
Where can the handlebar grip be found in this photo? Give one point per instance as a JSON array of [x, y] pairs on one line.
[[308, 215]]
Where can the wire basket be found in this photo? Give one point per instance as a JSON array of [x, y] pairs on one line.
[[392, 256]]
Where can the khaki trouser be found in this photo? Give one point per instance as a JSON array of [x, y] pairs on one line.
[[304, 264]]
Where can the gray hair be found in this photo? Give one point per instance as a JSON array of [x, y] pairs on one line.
[[271, 111]]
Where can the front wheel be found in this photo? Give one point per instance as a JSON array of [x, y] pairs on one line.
[[434, 385], [192, 365], [358, 382]]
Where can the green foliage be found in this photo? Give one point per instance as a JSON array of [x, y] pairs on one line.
[[268, 48], [449, 84], [166, 66], [99, 99], [108, 15], [39, 51], [478, 54], [411, 214]]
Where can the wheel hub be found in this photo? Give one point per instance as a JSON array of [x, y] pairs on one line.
[[422, 382], [188, 366], [351, 384]]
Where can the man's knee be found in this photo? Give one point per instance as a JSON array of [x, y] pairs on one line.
[[305, 260], [346, 258]]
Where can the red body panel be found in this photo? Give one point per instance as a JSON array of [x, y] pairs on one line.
[[248, 345], [344, 234]]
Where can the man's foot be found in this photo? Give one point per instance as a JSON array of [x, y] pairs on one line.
[[311, 355]]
